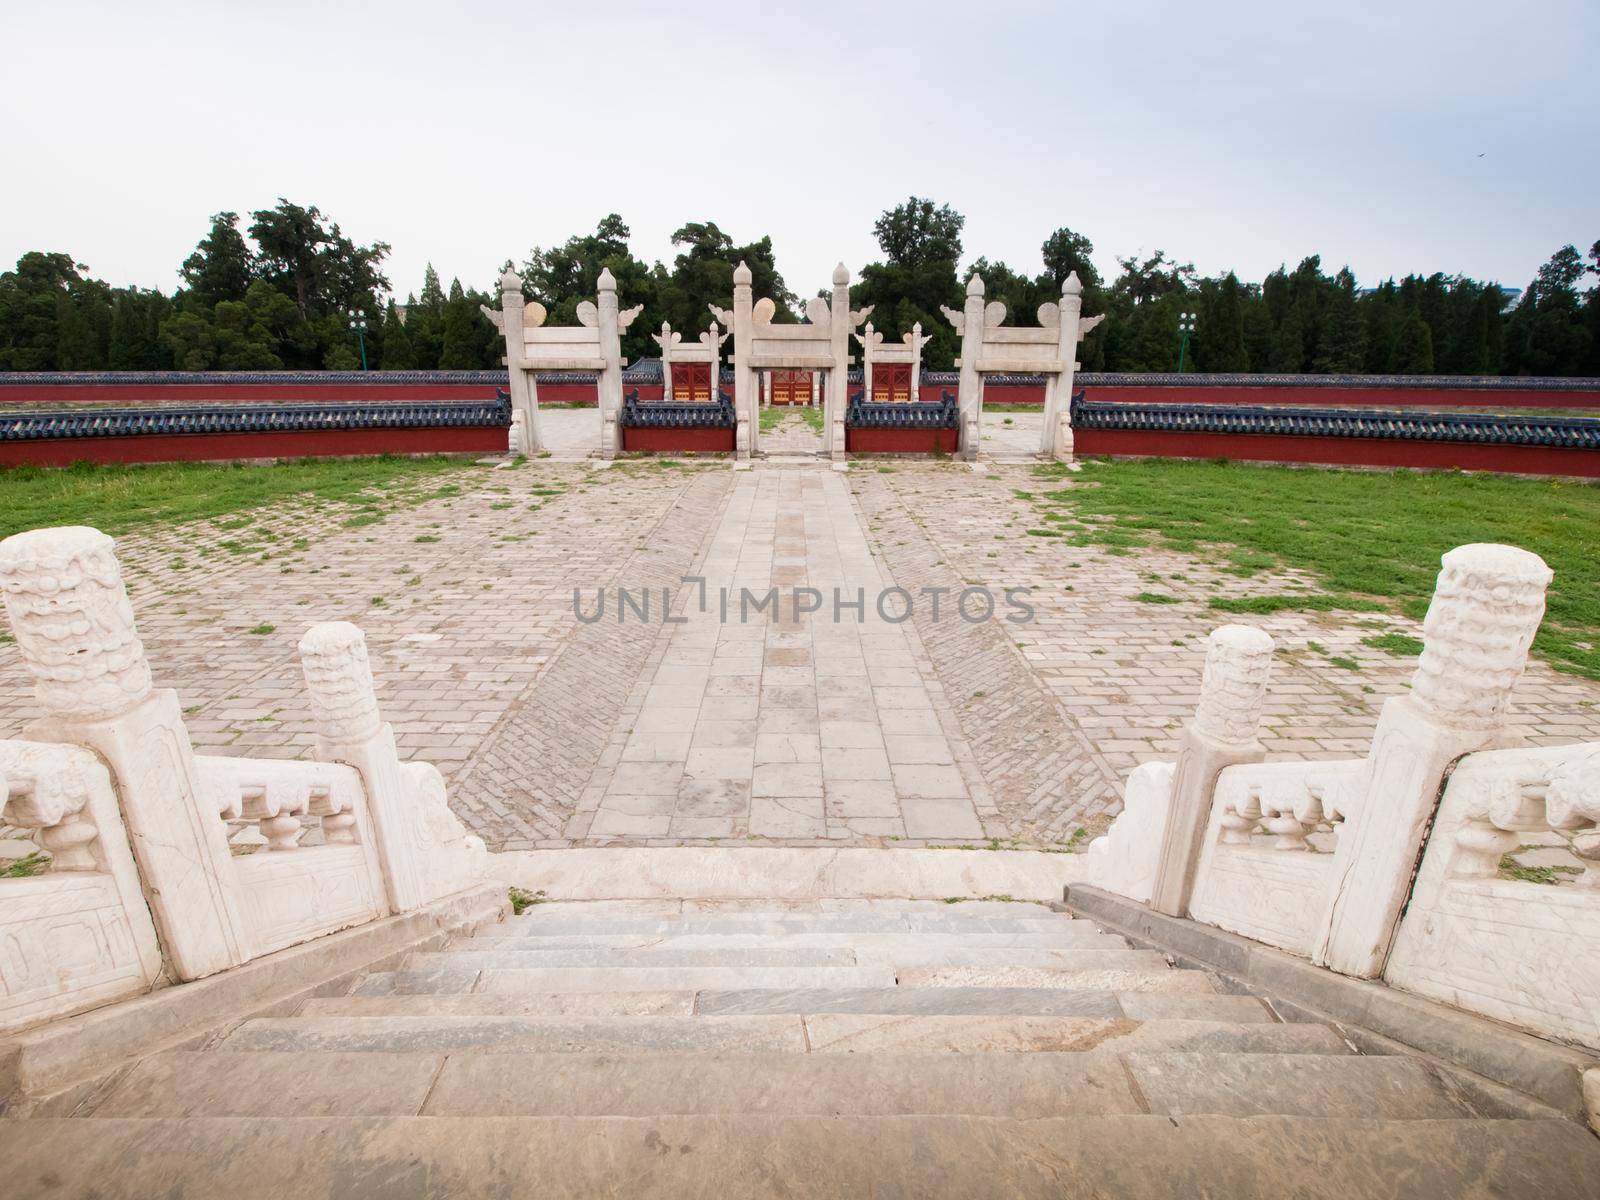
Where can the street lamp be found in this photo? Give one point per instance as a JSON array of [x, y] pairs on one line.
[[359, 324], [1185, 327]]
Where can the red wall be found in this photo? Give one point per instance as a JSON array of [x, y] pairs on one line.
[[901, 441], [1361, 452], [196, 447], [678, 441]]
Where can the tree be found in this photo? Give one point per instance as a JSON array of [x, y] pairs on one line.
[[313, 263], [1219, 338], [921, 244], [461, 341], [220, 267], [396, 353], [1413, 351], [561, 277], [1342, 342]]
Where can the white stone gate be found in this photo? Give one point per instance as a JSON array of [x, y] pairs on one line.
[[532, 349], [1051, 350], [821, 344]]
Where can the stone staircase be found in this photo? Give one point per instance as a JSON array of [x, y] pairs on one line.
[[832, 1048]]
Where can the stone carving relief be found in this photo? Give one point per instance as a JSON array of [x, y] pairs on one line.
[[1234, 685], [1125, 859], [73, 623], [344, 704], [1486, 608], [1516, 950]]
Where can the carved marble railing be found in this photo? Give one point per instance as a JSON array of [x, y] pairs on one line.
[[143, 878], [77, 934], [291, 893], [1317, 858], [1523, 952], [1264, 870]]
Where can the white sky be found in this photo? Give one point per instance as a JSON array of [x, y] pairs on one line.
[[1393, 136]]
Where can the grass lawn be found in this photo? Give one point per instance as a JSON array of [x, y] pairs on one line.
[[772, 416], [118, 499], [1372, 538]]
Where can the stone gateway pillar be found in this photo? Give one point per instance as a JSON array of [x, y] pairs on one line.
[[839, 375]]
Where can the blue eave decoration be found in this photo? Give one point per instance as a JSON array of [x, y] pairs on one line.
[[920, 414], [254, 418], [1576, 433]]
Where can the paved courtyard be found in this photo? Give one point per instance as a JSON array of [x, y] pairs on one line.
[[869, 729]]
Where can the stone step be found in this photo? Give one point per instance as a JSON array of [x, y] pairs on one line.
[[900, 954], [846, 1033], [1391, 1088], [1025, 1086], [1005, 1001], [1070, 937], [674, 979], [1148, 980], [1128, 1156], [774, 924], [784, 908]]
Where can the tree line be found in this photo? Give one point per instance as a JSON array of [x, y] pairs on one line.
[[285, 291]]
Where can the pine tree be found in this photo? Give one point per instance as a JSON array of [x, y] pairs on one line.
[[459, 340], [1342, 344], [1413, 351], [1220, 340], [397, 354]]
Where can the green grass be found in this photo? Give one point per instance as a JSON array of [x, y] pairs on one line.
[[29, 864], [1401, 645], [118, 499], [1373, 539], [1155, 598]]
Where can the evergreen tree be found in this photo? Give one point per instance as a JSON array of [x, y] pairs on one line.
[[397, 354], [220, 267], [1342, 343], [921, 245], [460, 341], [1413, 351], [1220, 338]]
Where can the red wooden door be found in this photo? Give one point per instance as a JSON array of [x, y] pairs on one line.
[[691, 383], [891, 382]]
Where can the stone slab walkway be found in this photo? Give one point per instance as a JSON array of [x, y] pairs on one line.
[[764, 720]]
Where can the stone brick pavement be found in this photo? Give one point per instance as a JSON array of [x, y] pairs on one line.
[[551, 732]]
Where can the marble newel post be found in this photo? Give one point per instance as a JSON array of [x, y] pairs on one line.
[[1223, 733], [1486, 608], [75, 630], [839, 376], [511, 321], [746, 436], [611, 372], [344, 706]]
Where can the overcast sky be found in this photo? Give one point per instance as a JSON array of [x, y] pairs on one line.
[[1406, 135]]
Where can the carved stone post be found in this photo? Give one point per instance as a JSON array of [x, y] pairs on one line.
[[610, 389], [350, 729], [970, 395], [1222, 733], [75, 630], [916, 341], [746, 435], [865, 337], [1486, 608], [665, 342], [839, 377], [524, 395]]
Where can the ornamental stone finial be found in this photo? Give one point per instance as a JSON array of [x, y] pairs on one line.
[[1486, 607], [344, 703], [742, 275], [73, 622], [511, 282], [607, 281], [1073, 286], [841, 274], [975, 285], [1238, 660]]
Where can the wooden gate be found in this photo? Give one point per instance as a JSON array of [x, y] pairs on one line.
[[791, 387], [891, 383], [691, 383]]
